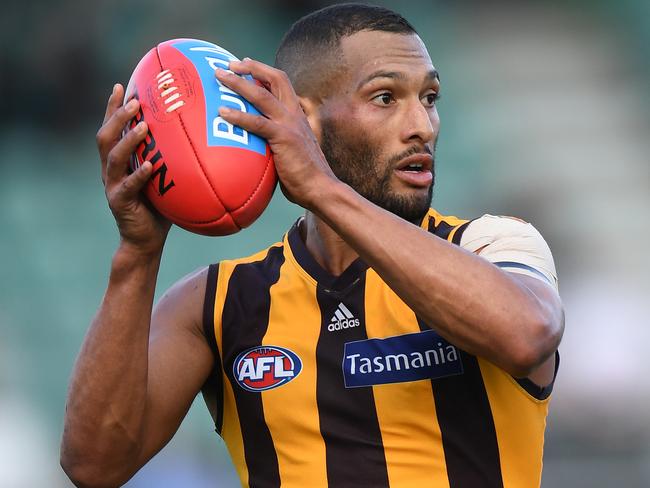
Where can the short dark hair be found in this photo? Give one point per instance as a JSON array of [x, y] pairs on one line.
[[308, 51]]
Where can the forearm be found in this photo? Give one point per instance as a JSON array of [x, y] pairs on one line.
[[470, 302], [467, 300], [107, 396]]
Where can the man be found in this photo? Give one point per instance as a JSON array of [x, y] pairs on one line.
[[376, 345]]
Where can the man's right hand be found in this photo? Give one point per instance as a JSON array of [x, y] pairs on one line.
[[140, 367], [141, 228]]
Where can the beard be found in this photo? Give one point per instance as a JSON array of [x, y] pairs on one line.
[[357, 162]]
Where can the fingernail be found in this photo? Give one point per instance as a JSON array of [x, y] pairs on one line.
[[140, 128], [246, 59], [132, 105], [224, 110], [114, 89]]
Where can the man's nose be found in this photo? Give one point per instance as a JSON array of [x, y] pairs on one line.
[[421, 123]]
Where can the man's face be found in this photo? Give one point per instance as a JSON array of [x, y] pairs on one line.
[[379, 126]]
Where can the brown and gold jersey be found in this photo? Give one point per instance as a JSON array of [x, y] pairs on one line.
[[334, 381]]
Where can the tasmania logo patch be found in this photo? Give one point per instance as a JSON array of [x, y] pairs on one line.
[[265, 367], [410, 357]]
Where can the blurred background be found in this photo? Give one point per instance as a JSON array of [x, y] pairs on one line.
[[545, 115]]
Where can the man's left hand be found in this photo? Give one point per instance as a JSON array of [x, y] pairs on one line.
[[299, 161]]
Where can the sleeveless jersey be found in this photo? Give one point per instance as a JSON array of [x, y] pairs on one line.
[[334, 381]]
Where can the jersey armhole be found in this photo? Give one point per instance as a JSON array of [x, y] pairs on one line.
[[536, 391], [214, 383]]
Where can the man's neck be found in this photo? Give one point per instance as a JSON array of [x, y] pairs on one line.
[[329, 250]]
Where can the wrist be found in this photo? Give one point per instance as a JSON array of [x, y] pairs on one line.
[[329, 196], [142, 250], [326, 192], [129, 256]]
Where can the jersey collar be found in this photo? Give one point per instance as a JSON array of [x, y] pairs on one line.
[[307, 262]]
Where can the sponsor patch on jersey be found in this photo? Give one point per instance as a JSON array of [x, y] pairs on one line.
[[266, 367], [410, 357]]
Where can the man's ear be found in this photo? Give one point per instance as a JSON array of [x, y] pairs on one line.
[[311, 109]]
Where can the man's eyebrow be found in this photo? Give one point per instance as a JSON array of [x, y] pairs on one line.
[[433, 75], [395, 75]]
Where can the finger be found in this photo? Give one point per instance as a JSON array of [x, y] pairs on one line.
[[257, 124], [274, 79], [114, 101], [133, 183], [111, 131], [262, 99], [117, 162]]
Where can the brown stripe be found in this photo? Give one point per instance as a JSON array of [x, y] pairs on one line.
[[463, 410], [348, 418], [245, 321], [468, 434], [442, 229], [459, 233]]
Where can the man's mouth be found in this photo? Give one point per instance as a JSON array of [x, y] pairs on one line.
[[415, 170], [416, 163]]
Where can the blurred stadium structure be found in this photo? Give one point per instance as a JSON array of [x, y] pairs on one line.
[[545, 113]]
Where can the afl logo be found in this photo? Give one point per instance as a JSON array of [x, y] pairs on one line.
[[266, 367]]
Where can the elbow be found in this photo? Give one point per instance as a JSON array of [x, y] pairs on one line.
[[80, 474], [97, 456], [84, 472], [540, 342]]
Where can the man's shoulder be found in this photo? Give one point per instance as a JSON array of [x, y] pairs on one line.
[[485, 219], [509, 242], [490, 228], [263, 262], [485, 228], [512, 244], [254, 257]]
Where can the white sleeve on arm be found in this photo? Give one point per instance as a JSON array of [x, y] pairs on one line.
[[512, 244]]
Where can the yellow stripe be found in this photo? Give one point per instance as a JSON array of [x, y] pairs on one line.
[[231, 430], [406, 411], [291, 411], [519, 420]]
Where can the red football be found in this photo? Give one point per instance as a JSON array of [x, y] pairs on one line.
[[209, 176]]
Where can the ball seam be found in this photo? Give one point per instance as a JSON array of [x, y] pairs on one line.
[[196, 156], [259, 184], [185, 221], [198, 160]]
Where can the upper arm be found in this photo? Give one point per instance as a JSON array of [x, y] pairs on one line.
[[180, 361], [518, 248]]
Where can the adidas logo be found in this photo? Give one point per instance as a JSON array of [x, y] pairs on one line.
[[342, 319]]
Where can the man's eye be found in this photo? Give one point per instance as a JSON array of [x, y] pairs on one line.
[[430, 99], [384, 99]]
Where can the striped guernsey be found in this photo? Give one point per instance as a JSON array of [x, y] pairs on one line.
[[333, 381]]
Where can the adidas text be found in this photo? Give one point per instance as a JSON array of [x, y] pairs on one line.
[[343, 324], [342, 319]]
